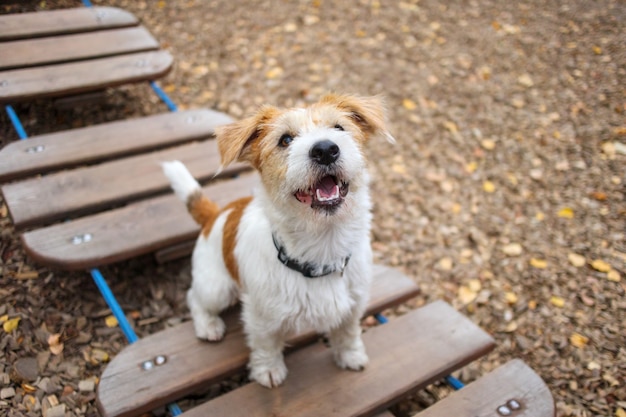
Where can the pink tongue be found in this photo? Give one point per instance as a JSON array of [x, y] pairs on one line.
[[326, 187]]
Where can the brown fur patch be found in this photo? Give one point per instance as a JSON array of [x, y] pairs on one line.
[[203, 210], [367, 112], [229, 239]]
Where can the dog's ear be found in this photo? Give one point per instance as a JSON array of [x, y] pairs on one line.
[[237, 141], [367, 112]]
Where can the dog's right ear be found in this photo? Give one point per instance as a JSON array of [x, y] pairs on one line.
[[239, 141]]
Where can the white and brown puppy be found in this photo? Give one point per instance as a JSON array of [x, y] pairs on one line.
[[297, 254]]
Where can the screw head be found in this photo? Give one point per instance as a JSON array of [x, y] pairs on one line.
[[503, 410]]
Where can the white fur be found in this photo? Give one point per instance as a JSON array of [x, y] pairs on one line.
[[276, 300]]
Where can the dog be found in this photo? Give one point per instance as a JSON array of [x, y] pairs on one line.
[[297, 253]]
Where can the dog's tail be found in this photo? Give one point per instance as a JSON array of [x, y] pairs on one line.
[[188, 190]]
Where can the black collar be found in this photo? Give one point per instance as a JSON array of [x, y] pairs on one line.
[[307, 269]]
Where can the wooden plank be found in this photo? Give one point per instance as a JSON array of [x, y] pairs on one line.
[[67, 149], [482, 398], [126, 390], [68, 194], [65, 48], [126, 232], [55, 22], [83, 76], [406, 354]]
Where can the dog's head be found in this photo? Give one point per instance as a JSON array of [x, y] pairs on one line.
[[310, 158]]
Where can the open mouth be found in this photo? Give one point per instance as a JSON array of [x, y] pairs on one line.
[[328, 192]]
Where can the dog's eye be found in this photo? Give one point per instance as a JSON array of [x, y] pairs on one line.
[[285, 140], [338, 127]]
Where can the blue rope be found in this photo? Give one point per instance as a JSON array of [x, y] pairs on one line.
[[87, 3], [117, 311], [17, 125], [174, 409], [164, 97]]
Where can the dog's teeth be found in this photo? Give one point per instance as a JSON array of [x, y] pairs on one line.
[[334, 195]]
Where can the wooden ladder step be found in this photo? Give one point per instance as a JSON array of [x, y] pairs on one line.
[[125, 389], [67, 149], [513, 386], [65, 48], [83, 76], [68, 194], [126, 232], [406, 354], [56, 22]]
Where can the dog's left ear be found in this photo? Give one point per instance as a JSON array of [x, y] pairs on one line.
[[237, 141], [367, 112]]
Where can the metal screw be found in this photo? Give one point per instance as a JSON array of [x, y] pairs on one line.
[[84, 238], [160, 360], [35, 149], [503, 410], [147, 365], [514, 404]]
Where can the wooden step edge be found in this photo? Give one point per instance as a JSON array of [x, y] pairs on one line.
[[63, 21], [407, 354], [191, 364], [514, 388], [119, 234], [84, 76], [67, 149]]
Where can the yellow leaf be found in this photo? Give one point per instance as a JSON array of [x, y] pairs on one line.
[[576, 260], [557, 301], [488, 144], [475, 285], [489, 187], [451, 126], [4, 318], [471, 167], [170, 88], [620, 412], [578, 340], [566, 213], [613, 275], [274, 73], [445, 264], [600, 265], [466, 295], [510, 297], [532, 304], [540, 216], [110, 321], [11, 324], [597, 50], [538, 263], [409, 104]]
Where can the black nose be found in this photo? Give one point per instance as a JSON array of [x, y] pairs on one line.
[[324, 152]]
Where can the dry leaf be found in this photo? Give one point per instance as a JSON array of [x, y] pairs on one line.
[[488, 144], [511, 327], [489, 187], [525, 80], [409, 104], [510, 297], [538, 263], [466, 295], [445, 264], [578, 340], [557, 301], [11, 324], [274, 73], [566, 213], [512, 249], [599, 195], [614, 276], [620, 412], [576, 260], [593, 365], [110, 321], [451, 126], [471, 167], [475, 285], [532, 304], [600, 265], [540, 216], [597, 50], [54, 343]]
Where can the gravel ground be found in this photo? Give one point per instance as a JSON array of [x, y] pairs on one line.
[[504, 194]]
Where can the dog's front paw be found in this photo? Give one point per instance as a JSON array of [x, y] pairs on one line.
[[353, 359], [269, 376], [211, 328]]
